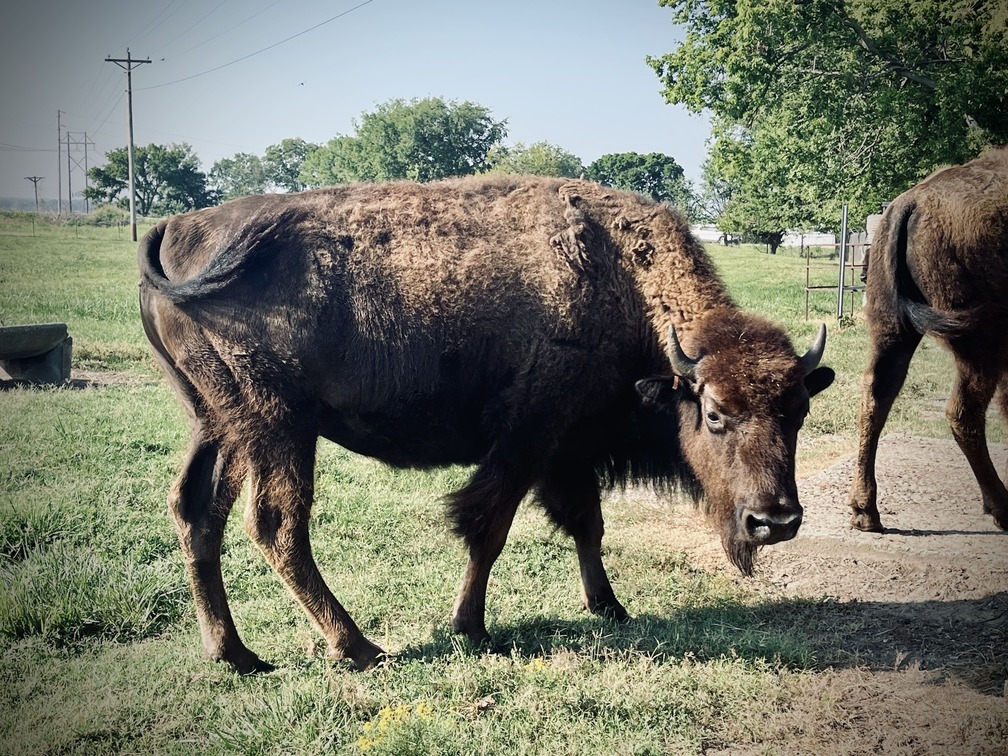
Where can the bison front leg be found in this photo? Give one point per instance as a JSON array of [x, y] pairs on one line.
[[200, 502], [482, 512], [966, 412], [570, 494], [881, 383], [276, 518]]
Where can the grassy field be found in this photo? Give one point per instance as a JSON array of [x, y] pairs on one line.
[[99, 651]]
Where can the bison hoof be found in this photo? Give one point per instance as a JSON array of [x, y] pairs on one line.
[[610, 610], [364, 654], [1001, 519], [474, 630], [866, 522], [249, 664], [238, 657]]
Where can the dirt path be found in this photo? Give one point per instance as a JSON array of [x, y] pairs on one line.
[[919, 613]]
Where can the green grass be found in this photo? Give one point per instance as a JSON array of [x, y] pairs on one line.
[[99, 651]]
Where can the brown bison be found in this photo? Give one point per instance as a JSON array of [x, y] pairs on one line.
[[529, 327], [939, 265]]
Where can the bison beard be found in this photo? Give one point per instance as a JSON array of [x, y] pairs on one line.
[[562, 337]]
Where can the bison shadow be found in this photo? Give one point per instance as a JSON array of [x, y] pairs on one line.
[[918, 532], [965, 641]]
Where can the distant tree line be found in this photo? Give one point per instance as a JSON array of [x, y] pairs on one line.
[[419, 140], [813, 104]]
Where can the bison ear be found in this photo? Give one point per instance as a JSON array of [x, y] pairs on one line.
[[661, 390], [819, 379]]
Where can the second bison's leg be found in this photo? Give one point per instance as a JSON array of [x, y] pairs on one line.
[[570, 494], [482, 512], [1002, 399], [881, 383], [966, 411], [200, 502], [276, 517]]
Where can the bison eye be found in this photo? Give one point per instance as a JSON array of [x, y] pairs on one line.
[[714, 421]]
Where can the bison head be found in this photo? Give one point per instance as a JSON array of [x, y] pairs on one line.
[[740, 401]]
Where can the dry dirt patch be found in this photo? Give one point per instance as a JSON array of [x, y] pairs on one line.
[[916, 617]]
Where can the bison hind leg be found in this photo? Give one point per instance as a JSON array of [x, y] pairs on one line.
[[971, 394], [276, 518], [892, 348], [1002, 399], [200, 502]]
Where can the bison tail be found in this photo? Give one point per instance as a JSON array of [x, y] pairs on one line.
[[255, 244], [149, 259], [906, 298], [925, 319], [152, 273]]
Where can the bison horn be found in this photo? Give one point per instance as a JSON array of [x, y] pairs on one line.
[[810, 361], [682, 365]]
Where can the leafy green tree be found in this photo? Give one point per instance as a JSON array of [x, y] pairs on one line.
[[282, 164], [421, 140], [656, 175], [237, 176], [167, 180], [537, 159], [820, 102], [335, 162], [761, 197]]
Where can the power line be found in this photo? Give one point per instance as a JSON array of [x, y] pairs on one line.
[[4, 147], [110, 111], [229, 29], [167, 12], [264, 49], [196, 23]]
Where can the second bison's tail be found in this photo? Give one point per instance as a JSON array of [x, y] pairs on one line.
[[906, 298]]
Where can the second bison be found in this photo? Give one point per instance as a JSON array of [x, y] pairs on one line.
[[939, 266]]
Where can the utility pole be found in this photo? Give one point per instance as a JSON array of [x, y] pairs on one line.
[[35, 180], [59, 159], [127, 64], [69, 187]]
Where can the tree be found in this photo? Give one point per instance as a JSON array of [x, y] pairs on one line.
[[282, 164], [237, 176], [835, 101], [421, 140], [167, 180], [538, 159], [335, 162], [656, 175], [762, 197]]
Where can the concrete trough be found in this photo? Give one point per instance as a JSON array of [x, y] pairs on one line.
[[38, 353]]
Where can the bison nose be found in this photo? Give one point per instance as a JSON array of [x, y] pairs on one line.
[[766, 525]]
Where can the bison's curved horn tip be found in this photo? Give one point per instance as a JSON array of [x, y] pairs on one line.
[[682, 364], [811, 359]]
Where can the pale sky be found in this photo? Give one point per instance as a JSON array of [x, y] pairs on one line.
[[223, 80]]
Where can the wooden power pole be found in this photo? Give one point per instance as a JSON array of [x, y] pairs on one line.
[[128, 64], [35, 180]]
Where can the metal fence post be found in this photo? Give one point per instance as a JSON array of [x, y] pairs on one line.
[[843, 262]]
